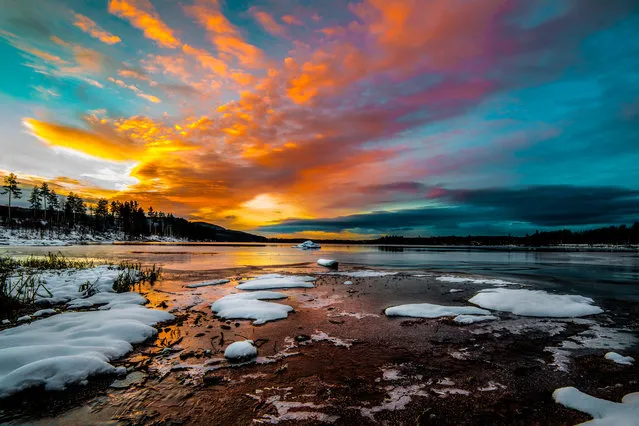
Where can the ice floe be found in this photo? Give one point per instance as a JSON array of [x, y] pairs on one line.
[[207, 283], [69, 347], [307, 245], [271, 281], [470, 280], [470, 319], [619, 359], [429, 310], [241, 351], [252, 306], [603, 412], [535, 303], [363, 274], [328, 263]]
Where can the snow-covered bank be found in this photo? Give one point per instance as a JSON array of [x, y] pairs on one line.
[[69, 347], [54, 237]]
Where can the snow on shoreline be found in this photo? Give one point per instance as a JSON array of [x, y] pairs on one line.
[[69, 347], [536, 303], [272, 281], [454, 279], [251, 306], [429, 310], [602, 411]]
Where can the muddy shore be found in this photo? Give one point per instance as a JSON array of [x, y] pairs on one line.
[[338, 359]]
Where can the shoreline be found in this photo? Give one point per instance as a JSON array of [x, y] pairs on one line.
[[374, 368]]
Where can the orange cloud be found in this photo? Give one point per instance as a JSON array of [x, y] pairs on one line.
[[224, 36], [207, 60], [150, 98], [292, 20], [90, 143], [90, 27], [268, 22], [142, 15]]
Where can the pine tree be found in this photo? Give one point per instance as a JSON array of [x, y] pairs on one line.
[[44, 194], [54, 202], [11, 187], [34, 200]]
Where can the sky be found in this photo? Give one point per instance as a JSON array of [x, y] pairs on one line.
[[330, 118]]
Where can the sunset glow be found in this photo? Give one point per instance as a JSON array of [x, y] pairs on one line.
[[330, 119]]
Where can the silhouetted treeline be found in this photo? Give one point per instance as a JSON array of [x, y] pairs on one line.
[[63, 214], [622, 235]]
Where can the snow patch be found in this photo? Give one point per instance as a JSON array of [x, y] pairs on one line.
[[469, 280], [251, 306], [207, 283], [348, 282], [428, 310], [536, 303], [470, 319], [602, 411], [69, 347], [363, 274], [619, 359], [240, 351], [328, 263], [277, 281]]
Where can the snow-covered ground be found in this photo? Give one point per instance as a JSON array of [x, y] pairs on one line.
[[52, 237], [69, 347]]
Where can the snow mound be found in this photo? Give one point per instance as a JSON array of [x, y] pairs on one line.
[[469, 280], [536, 303], [364, 274], [619, 359], [69, 347], [207, 283], [603, 412], [428, 310], [240, 351], [470, 319], [64, 285], [251, 306], [278, 281], [308, 245], [329, 263]]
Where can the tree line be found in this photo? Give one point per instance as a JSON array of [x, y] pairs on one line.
[[48, 209], [51, 211]]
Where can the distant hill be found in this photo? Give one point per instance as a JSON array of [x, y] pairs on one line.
[[213, 232]]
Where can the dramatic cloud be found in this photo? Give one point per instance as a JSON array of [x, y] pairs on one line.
[[91, 28], [143, 16], [546, 206], [326, 118]]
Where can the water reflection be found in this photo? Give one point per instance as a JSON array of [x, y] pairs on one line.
[[587, 268]]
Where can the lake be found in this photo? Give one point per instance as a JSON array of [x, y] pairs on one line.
[[595, 274]]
